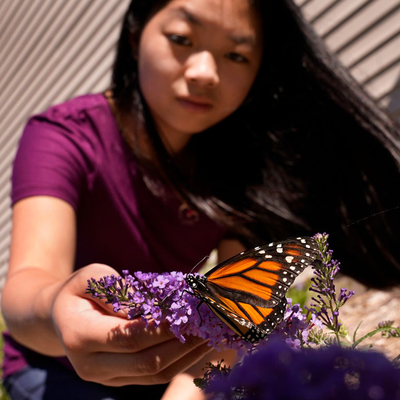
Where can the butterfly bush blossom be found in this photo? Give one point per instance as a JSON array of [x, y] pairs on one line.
[[165, 297]]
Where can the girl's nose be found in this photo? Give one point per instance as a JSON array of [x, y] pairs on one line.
[[202, 70]]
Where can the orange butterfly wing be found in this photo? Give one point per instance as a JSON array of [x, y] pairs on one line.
[[247, 292]]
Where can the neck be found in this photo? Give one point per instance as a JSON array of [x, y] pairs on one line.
[[180, 148], [174, 142]]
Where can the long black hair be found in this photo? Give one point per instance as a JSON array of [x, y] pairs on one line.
[[308, 151]]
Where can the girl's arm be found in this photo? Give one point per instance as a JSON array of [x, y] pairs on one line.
[[46, 309], [41, 260]]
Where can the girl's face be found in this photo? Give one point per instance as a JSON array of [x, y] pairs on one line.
[[197, 61]]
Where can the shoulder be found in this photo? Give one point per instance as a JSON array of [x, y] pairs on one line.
[[85, 122], [76, 111], [70, 133], [76, 105], [61, 149]]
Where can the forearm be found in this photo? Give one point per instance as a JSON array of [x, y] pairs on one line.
[[27, 300]]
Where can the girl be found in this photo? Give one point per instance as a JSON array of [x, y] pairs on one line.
[[227, 124]]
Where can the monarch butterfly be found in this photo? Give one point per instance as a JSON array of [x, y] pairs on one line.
[[247, 291]]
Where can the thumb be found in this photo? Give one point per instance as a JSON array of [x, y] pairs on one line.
[[103, 286]]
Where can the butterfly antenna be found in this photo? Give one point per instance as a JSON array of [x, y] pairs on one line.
[[173, 291], [373, 215], [202, 260]]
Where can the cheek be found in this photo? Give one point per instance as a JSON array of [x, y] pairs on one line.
[[146, 77], [156, 69], [151, 82]]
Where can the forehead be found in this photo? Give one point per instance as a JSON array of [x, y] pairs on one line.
[[230, 15]]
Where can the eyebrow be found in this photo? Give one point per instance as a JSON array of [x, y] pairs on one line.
[[238, 39], [189, 16]]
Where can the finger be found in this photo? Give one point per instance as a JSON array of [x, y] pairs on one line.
[[149, 361], [152, 373], [82, 323], [95, 332], [102, 302], [77, 285]]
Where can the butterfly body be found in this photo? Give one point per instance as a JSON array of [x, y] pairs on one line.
[[247, 291]]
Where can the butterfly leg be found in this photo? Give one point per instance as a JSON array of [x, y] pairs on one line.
[[198, 312]]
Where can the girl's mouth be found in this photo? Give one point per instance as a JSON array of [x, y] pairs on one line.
[[195, 105]]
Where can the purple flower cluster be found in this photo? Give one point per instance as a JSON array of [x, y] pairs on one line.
[[327, 301], [388, 330], [296, 326], [166, 296], [276, 372]]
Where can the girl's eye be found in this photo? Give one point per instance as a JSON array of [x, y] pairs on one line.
[[180, 40], [237, 58]]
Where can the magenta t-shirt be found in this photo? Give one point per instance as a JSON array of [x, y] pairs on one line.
[[75, 152]]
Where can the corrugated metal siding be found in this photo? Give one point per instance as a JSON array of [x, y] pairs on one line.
[[52, 50], [365, 36]]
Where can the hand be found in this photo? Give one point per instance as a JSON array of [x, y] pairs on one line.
[[106, 348]]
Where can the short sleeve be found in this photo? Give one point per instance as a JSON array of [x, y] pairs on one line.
[[54, 158]]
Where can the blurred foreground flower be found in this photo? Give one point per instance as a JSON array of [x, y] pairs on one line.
[[276, 372]]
